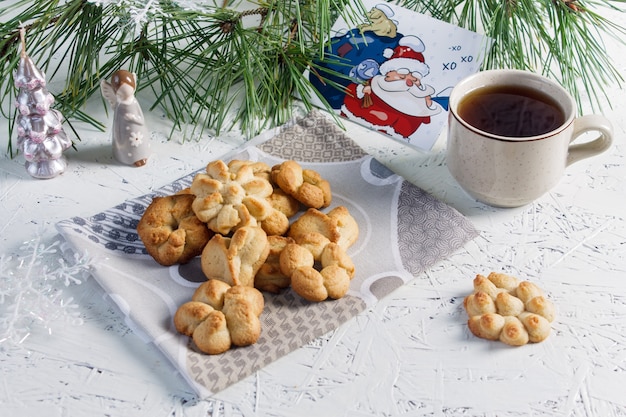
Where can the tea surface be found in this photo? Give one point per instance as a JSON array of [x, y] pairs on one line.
[[511, 111]]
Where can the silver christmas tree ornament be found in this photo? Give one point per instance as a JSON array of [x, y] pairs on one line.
[[40, 134]]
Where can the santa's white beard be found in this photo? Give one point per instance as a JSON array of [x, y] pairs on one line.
[[407, 99]]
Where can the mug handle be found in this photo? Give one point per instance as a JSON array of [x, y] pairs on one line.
[[589, 123]]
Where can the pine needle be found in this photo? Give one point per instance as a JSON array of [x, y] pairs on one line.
[[217, 66]]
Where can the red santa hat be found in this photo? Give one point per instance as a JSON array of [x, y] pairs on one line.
[[407, 55]]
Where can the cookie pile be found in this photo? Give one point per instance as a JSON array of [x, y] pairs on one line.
[[509, 310], [237, 217]]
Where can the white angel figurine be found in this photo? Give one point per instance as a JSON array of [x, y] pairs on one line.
[[131, 144]]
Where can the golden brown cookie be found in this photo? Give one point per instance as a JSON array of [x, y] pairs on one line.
[[305, 185], [214, 330], [227, 200], [338, 226], [236, 259], [505, 309], [211, 292], [212, 335], [269, 277], [190, 315], [170, 230], [336, 269]]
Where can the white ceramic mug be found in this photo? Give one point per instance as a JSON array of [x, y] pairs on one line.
[[514, 171]]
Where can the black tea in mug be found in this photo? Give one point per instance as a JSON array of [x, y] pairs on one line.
[[511, 111]]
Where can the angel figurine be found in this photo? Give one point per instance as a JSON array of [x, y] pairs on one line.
[[131, 145]]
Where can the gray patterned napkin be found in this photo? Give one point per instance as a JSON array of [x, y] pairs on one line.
[[403, 231]]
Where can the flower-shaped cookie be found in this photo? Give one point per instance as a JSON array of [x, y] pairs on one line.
[[228, 199], [312, 259], [305, 185], [275, 221], [298, 261], [219, 316], [503, 308], [337, 225], [236, 259], [170, 230]]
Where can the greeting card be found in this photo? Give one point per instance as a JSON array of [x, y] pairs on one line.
[[394, 72]]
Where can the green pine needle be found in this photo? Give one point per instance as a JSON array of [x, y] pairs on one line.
[[221, 66]]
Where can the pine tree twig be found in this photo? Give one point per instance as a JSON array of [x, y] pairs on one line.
[[14, 37], [229, 24], [204, 67], [572, 4]]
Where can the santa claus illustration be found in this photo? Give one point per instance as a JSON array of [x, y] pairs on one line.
[[395, 101]]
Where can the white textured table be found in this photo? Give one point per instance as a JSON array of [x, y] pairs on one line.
[[409, 355]]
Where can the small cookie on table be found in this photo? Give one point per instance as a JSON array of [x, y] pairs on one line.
[[509, 310]]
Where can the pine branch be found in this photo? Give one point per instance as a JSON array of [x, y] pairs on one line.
[[217, 67], [558, 38]]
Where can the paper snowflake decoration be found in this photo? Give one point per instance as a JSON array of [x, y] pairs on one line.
[[31, 290]]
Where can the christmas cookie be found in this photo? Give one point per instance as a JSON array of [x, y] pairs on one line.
[[337, 225], [305, 185], [236, 259], [219, 316], [236, 217], [299, 260], [285, 207], [506, 309], [170, 230], [229, 199]]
